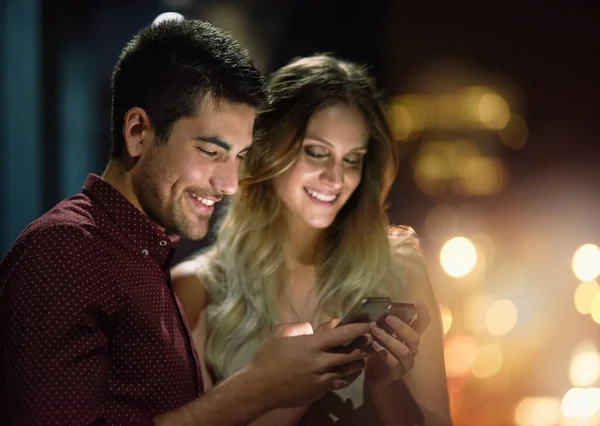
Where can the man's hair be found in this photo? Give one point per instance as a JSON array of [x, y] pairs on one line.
[[169, 67]]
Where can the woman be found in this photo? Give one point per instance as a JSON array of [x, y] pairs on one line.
[[306, 238]]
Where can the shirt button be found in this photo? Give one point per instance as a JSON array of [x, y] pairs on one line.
[[163, 243], [145, 252]]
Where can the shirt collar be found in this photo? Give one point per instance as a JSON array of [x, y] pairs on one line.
[[140, 230]]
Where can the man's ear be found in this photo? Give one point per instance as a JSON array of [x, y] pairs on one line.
[[138, 132]]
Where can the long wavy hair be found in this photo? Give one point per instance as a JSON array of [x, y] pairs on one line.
[[244, 270]]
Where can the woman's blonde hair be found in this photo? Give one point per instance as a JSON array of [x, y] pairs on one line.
[[244, 270]]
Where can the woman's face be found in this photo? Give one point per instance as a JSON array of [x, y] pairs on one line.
[[329, 168]]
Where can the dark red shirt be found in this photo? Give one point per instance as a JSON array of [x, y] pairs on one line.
[[90, 329]]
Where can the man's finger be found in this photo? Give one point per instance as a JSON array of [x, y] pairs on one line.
[[329, 325], [340, 335]]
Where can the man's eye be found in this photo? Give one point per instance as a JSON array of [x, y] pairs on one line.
[[207, 153]]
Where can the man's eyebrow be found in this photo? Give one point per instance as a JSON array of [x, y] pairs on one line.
[[215, 141]]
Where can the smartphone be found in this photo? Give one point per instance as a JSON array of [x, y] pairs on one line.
[[377, 309]]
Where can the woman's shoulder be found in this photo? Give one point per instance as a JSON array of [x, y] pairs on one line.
[[403, 241], [193, 267], [407, 266], [189, 281]]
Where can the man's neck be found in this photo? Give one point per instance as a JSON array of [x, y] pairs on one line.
[[117, 175]]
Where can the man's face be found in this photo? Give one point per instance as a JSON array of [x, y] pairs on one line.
[[177, 183]]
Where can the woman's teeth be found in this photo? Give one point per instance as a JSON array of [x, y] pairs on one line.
[[321, 197]]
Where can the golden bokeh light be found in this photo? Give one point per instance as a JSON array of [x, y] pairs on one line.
[[475, 309], [488, 361], [400, 122], [482, 175], [538, 411], [581, 403], [446, 316], [458, 257], [459, 355], [585, 365], [595, 308], [515, 134], [486, 107], [584, 295], [501, 317], [431, 174], [493, 110], [586, 262], [408, 116]]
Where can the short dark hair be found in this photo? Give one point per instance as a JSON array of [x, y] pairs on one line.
[[167, 68]]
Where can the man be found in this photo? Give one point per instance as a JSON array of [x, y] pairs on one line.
[[91, 332]]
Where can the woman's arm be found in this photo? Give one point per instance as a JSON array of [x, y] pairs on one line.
[[423, 377], [426, 381]]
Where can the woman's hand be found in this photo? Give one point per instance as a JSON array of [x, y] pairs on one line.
[[392, 355]]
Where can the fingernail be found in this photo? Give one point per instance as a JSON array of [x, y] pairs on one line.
[[378, 331], [372, 325], [391, 320], [377, 346]]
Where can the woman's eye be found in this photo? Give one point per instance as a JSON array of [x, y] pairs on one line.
[[315, 152], [356, 160]]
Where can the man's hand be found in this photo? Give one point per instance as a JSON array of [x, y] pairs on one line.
[[295, 367]]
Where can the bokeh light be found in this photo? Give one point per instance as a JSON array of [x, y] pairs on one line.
[[459, 355], [475, 309], [487, 107], [400, 121], [501, 317], [458, 257], [586, 262], [585, 365], [582, 403], [482, 175], [431, 174], [515, 134], [538, 411], [584, 296], [488, 361], [595, 308]]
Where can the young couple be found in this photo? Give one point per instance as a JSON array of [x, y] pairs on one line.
[[96, 329]]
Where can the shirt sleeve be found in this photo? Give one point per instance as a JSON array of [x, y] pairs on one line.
[[55, 301]]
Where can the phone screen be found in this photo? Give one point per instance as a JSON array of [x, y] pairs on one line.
[[376, 309]]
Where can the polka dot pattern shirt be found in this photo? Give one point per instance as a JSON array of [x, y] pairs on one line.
[[90, 329]]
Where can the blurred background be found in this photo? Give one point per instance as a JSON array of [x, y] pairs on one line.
[[493, 106]]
